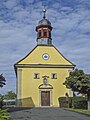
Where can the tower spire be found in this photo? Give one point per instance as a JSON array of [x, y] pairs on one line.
[[44, 11]]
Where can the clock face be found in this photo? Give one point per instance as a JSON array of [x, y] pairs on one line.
[[45, 56]]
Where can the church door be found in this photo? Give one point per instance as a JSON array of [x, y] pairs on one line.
[[45, 98]]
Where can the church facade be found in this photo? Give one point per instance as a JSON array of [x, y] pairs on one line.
[[41, 73]]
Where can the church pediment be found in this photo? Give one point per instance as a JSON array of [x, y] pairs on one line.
[[45, 56]]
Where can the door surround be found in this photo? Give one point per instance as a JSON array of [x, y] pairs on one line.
[[47, 88]]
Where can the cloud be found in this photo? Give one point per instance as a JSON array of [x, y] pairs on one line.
[[10, 4]]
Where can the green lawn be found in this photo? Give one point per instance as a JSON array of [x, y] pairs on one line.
[[87, 112]]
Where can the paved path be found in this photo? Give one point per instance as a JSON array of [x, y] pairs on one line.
[[47, 114]]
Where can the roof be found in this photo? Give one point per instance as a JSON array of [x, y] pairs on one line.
[[44, 22]]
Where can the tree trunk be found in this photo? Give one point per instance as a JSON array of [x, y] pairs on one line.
[[88, 101]]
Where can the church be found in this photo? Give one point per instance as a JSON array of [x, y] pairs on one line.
[[41, 73]]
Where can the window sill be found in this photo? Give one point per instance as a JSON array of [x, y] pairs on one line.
[[36, 78]]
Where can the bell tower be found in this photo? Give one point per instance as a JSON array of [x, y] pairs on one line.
[[43, 30]]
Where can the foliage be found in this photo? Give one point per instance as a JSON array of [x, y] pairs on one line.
[[78, 81], [75, 102], [80, 104], [2, 81], [1, 101], [10, 95], [1, 104], [79, 98], [4, 115], [0, 95], [62, 102]]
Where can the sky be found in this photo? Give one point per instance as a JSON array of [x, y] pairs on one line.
[[70, 20]]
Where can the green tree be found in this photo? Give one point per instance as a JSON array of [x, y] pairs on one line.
[[80, 82], [0, 95], [10, 95], [2, 81]]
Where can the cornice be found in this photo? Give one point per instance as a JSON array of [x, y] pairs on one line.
[[43, 66]]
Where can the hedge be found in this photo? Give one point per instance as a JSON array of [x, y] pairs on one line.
[[73, 102]]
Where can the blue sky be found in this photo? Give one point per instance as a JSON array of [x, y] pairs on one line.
[[18, 19]]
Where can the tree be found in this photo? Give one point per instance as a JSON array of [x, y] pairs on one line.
[[10, 95], [80, 82], [2, 81]]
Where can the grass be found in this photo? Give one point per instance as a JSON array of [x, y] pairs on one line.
[[86, 112]]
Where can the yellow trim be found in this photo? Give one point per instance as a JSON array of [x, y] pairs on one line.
[[19, 79]]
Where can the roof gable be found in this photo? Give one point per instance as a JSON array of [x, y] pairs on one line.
[[36, 56]]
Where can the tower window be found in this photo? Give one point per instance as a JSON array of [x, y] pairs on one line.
[[36, 75], [49, 34], [39, 33], [45, 33], [54, 76]]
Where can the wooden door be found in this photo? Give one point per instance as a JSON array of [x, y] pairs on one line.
[[45, 98]]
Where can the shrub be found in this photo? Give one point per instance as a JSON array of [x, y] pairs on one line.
[[80, 104], [4, 115], [75, 102], [62, 102]]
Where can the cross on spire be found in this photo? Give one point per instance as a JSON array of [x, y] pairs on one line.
[[44, 11]]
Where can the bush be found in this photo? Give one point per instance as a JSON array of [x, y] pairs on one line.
[[4, 115], [73, 102], [80, 104], [63, 102]]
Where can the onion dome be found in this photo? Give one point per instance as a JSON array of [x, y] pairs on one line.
[[44, 22]]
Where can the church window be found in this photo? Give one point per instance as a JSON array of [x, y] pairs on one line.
[[49, 34], [45, 33], [39, 34], [36, 75], [54, 76]]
